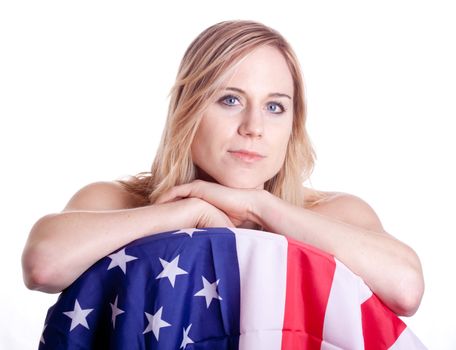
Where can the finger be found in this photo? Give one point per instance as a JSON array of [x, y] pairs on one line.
[[174, 193], [210, 192], [235, 222], [168, 196], [213, 193], [230, 224], [229, 221], [191, 189]]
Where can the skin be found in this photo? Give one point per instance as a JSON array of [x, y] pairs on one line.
[[102, 217], [251, 120], [344, 226]]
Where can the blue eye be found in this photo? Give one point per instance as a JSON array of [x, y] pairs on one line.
[[229, 100], [274, 106]]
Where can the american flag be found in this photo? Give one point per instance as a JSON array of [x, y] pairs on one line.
[[221, 288]]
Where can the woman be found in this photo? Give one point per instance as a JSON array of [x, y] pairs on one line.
[[234, 152]]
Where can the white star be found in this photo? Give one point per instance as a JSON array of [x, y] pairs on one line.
[[115, 312], [155, 323], [171, 270], [186, 339], [42, 335], [78, 316], [120, 259], [189, 231], [209, 291]]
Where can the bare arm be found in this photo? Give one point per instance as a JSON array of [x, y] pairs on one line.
[[61, 246], [344, 226], [356, 237]]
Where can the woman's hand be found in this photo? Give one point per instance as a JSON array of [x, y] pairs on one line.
[[206, 215], [237, 204]]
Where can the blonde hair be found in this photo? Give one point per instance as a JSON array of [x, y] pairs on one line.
[[206, 62]]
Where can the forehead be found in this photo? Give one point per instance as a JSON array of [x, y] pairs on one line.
[[262, 70]]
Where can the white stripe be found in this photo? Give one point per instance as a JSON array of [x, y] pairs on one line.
[[343, 323], [407, 340], [364, 291], [263, 270]]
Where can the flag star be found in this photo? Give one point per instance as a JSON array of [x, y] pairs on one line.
[[171, 270], [209, 291], [115, 312], [42, 335], [155, 323], [189, 231], [120, 259], [78, 316], [186, 339]]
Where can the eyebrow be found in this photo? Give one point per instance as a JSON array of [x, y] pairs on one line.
[[274, 94]]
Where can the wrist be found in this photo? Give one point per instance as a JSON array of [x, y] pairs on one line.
[[187, 212], [194, 208], [260, 200]]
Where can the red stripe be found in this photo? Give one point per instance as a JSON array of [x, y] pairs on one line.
[[381, 327], [309, 278]]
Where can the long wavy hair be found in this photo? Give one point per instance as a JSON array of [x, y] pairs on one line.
[[209, 59]]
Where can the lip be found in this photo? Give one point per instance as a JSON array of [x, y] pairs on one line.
[[247, 156]]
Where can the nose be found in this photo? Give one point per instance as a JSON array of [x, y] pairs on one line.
[[252, 123]]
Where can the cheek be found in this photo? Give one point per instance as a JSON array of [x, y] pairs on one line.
[[205, 144], [282, 138], [281, 147], [198, 145], [199, 148]]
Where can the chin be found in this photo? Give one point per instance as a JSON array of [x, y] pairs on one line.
[[235, 183]]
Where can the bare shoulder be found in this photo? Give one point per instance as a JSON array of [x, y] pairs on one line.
[[102, 195], [349, 209]]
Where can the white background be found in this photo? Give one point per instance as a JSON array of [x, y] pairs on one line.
[[83, 98]]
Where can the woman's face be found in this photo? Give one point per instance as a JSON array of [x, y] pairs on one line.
[[252, 113]]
